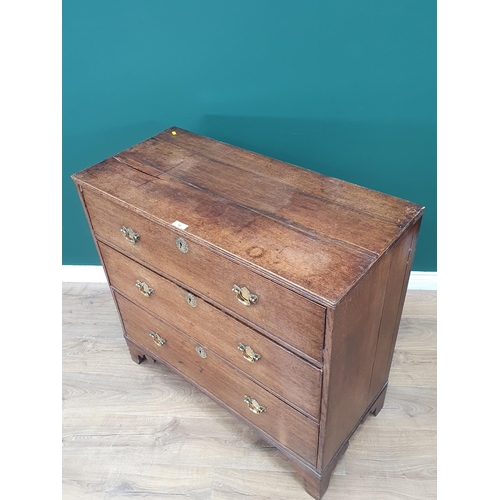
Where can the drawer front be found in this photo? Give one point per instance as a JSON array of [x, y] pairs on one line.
[[290, 317], [295, 380], [288, 426]]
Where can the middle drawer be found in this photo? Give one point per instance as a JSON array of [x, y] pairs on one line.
[[293, 379]]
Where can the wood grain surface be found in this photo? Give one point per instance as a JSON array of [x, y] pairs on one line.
[[279, 311], [134, 431], [312, 183], [266, 195], [296, 381], [354, 341], [314, 265], [286, 425]]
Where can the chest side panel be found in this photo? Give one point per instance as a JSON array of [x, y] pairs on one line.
[[401, 263], [352, 347]]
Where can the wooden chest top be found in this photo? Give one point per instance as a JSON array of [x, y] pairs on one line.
[[314, 234]]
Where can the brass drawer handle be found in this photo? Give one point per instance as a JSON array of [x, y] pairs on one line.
[[244, 295], [181, 244], [158, 340], [248, 353], [130, 234], [253, 405], [144, 288]]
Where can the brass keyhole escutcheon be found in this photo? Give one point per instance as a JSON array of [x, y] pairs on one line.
[[130, 235], [253, 405], [144, 288], [201, 352], [248, 353], [244, 295], [191, 300], [181, 244], [157, 339]]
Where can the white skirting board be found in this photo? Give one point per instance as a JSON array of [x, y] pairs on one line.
[[419, 280]]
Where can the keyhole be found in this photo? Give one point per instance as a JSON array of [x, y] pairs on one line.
[[201, 352], [190, 300], [182, 245]]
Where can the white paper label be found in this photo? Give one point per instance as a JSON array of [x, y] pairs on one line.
[[180, 225]]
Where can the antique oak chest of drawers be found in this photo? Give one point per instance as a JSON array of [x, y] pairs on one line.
[[274, 289]]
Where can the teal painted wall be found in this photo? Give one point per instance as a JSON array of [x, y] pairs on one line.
[[343, 87]]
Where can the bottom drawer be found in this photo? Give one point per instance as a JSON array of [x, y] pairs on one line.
[[279, 420]]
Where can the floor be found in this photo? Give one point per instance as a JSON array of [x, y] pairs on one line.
[[140, 431]]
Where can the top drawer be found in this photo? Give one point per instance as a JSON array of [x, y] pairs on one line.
[[294, 319]]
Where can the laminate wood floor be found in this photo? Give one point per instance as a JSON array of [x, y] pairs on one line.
[[134, 431]]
